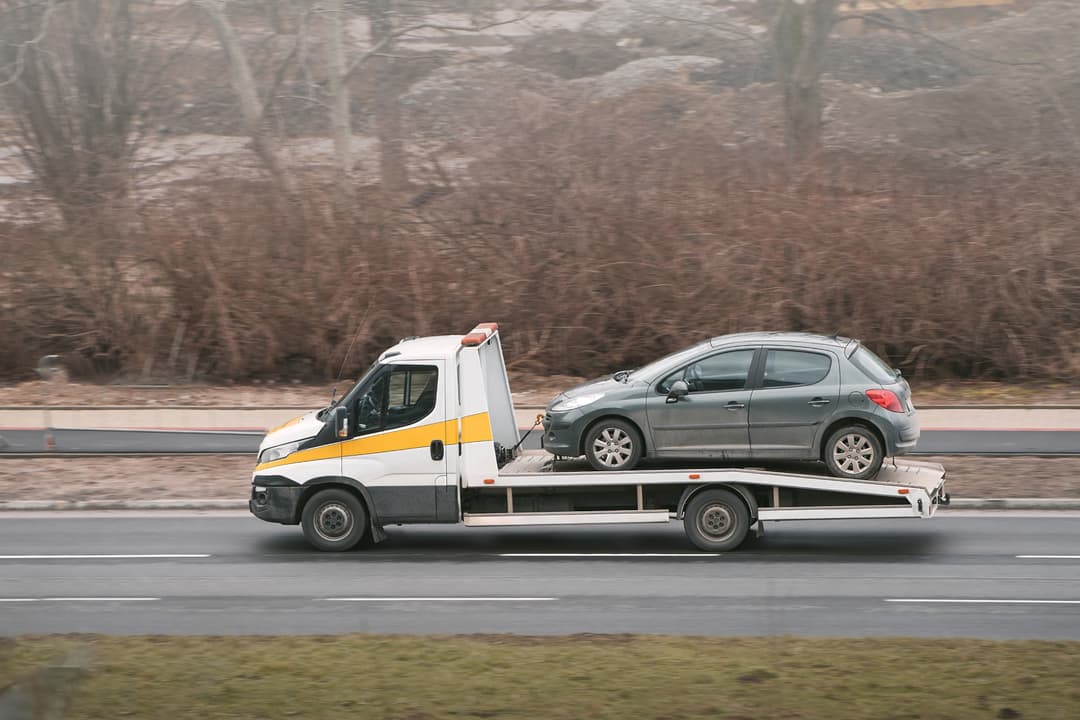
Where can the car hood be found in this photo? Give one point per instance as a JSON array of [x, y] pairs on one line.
[[606, 385], [299, 428]]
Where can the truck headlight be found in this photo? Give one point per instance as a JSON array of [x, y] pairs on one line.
[[576, 402], [278, 452]]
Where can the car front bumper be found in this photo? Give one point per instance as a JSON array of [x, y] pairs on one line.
[[562, 433]]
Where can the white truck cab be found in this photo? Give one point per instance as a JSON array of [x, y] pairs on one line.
[[428, 435]]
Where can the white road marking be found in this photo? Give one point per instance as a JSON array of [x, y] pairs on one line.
[[439, 599], [609, 554], [78, 599], [1049, 557], [148, 556], [99, 599], [983, 601]]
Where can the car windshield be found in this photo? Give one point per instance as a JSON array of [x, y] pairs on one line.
[[646, 371]]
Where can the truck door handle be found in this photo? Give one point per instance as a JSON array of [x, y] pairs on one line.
[[735, 405], [437, 449], [819, 402]]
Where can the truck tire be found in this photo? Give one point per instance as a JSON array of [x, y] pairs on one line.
[[613, 444], [716, 520], [853, 452], [334, 520]]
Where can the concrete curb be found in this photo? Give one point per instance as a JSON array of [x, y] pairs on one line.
[[195, 504]]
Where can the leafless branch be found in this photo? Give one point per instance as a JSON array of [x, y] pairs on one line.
[[20, 52]]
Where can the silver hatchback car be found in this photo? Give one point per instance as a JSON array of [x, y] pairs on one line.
[[752, 396]]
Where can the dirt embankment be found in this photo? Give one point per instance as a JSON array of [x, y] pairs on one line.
[[228, 477]]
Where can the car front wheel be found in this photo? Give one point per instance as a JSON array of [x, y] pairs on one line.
[[613, 445], [853, 452]]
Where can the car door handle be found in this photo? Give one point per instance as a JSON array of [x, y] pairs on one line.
[[436, 449], [735, 405], [819, 402]]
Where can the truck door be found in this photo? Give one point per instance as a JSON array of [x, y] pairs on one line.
[[397, 449]]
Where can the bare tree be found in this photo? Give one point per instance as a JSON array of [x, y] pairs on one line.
[[247, 94], [67, 80], [333, 21], [800, 36]]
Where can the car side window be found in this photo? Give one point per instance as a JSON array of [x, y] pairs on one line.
[[399, 396], [716, 373], [790, 368]]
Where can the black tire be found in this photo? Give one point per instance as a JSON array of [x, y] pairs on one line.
[[334, 520], [853, 452], [613, 444], [716, 520]]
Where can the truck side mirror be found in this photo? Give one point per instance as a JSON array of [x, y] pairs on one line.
[[340, 418], [679, 389]]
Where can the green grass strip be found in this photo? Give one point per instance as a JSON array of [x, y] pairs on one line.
[[652, 677]]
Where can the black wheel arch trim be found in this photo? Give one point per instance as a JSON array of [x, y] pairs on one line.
[[742, 492], [315, 484]]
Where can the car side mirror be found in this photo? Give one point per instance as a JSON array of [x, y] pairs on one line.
[[679, 389], [340, 418]]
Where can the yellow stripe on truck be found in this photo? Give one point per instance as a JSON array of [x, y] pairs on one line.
[[474, 428]]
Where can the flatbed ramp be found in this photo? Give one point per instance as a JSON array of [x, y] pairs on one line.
[[902, 488]]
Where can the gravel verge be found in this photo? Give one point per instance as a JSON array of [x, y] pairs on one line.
[[228, 477]]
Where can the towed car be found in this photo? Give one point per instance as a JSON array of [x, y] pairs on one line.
[[750, 396]]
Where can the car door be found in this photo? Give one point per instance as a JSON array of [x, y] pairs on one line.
[[397, 446], [797, 393], [712, 419]]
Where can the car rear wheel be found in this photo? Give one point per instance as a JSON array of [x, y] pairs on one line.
[[613, 444], [334, 520], [853, 452]]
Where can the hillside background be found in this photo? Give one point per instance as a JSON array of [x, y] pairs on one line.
[[243, 190]]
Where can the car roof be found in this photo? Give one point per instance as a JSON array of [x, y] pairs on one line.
[[786, 338]]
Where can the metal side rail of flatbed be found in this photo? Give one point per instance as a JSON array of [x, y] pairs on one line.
[[526, 489]]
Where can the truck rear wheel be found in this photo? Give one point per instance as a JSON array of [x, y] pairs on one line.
[[334, 520], [716, 520]]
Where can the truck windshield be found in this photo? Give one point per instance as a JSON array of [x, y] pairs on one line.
[[353, 389]]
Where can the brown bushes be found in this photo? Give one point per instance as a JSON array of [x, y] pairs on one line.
[[597, 243]]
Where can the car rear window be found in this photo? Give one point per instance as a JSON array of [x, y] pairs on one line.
[[872, 366]]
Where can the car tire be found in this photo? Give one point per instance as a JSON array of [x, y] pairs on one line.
[[716, 520], [613, 444], [853, 452], [334, 520]]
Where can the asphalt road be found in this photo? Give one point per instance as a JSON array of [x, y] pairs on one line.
[[932, 442], [216, 574]]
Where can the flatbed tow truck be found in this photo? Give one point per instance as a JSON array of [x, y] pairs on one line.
[[429, 435]]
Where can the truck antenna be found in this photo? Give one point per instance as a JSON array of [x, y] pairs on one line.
[[348, 351]]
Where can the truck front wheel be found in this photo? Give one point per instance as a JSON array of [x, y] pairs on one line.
[[334, 520], [716, 520]]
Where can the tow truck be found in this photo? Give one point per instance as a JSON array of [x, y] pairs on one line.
[[429, 435]]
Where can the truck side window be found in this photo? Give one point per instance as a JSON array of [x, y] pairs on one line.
[[402, 395]]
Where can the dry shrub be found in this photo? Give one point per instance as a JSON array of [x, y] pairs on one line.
[[599, 239]]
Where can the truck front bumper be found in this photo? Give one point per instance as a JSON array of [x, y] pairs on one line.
[[273, 501]]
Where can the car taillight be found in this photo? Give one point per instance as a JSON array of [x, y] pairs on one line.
[[886, 399]]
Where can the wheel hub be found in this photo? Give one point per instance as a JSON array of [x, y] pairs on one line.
[[716, 521], [333, 521]]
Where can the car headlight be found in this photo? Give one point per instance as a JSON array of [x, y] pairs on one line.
[[576, 402], [278, 452]]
